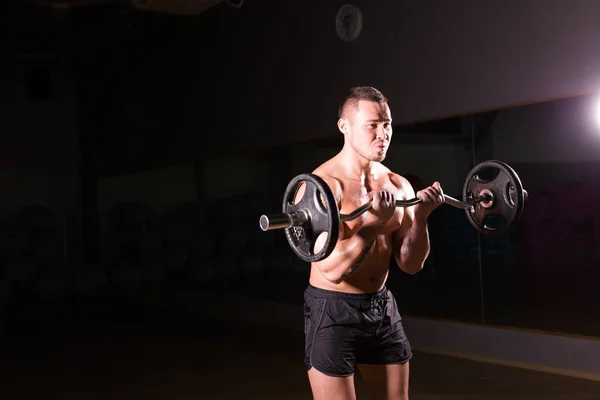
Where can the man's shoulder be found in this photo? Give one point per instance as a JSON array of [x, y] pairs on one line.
[[326, 171], [394, 177], [328, 176], [399, 182], [398, 179]]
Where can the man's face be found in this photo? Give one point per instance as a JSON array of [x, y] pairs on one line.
[[368, 129]]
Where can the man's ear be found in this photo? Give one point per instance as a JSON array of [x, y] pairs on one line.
[[343, 125]]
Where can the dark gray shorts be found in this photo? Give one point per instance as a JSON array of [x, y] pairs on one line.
[[343, 330]]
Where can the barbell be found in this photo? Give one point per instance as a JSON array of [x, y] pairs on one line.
[[317, 211]]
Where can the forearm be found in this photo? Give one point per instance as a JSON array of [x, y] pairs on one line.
[[415, 248], [348, 256]]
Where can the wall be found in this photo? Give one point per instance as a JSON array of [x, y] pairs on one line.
[[160, 189], [39, 158], [234, 175], [273, 72]]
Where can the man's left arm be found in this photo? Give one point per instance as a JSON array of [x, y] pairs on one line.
[[411, 239]]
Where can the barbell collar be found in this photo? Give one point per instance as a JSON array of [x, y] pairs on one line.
[[282, 220]]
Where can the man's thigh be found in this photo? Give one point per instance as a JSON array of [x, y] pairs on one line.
[[325, 387], [386, 382]]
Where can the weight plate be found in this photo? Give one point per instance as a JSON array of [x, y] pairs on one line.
[[508, 196], [323, 215]]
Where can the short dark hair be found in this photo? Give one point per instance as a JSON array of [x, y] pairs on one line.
[[357, 93]]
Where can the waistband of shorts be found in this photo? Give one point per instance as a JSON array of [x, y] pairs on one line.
[[333, 295]]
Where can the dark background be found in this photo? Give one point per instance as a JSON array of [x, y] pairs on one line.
[[140, 148]]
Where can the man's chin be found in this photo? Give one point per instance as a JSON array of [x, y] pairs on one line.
[[378, 157]]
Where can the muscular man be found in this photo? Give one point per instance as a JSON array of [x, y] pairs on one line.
[[351, 318]]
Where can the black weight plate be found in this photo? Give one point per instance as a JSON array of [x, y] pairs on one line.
[[321, 217], [508, 193]]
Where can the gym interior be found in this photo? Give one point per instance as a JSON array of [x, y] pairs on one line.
[[144, 140]]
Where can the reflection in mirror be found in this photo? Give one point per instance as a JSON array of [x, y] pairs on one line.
[[544, 275]]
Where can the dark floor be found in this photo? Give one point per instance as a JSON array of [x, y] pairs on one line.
[[121, 351]]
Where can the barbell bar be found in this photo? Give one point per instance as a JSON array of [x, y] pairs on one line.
[[287, 220]]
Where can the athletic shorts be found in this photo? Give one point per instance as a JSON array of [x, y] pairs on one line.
[[343, 330]]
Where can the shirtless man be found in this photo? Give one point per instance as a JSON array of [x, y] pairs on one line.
[[351, 318]]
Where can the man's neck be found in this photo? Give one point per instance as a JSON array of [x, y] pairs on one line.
[[356, 166]]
